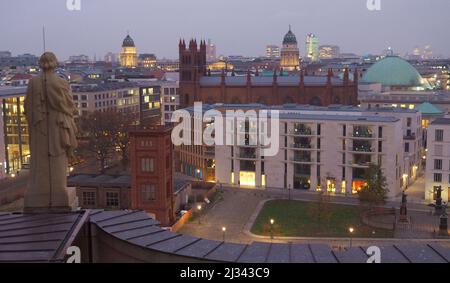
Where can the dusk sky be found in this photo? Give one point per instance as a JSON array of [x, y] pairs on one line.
[[238, 27]]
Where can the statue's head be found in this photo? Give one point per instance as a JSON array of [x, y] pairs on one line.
[[48, 62]]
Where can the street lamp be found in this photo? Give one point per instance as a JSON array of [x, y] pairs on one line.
[[271, 228], [224, 229], [351, 230], [199, 208]]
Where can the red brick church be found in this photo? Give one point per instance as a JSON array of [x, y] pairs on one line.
[[197, 84]]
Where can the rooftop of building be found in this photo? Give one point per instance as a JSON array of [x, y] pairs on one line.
[[83, 180], [441, 121], [101, 86], [429, 109], [38, 237], [306, 111], [128, 41], [394, 71], [45, 238], [112, 181], [285, 80], [11, 91]]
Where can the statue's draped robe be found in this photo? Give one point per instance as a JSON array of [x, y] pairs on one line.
[[49, 112]]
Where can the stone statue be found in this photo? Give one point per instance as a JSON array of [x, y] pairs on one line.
[[50, 111]]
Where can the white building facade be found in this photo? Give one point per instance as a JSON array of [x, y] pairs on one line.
[[320, 148], [437, 172]]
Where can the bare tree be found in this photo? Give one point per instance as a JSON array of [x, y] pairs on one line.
[[97, 128], [123, 121], [320, 210]]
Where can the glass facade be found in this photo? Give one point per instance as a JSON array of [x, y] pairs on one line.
[[17, 149]]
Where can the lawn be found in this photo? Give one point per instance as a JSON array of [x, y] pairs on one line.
[[299, 219]]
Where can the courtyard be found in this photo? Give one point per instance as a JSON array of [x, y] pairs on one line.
[[242, 213], [293, 218]]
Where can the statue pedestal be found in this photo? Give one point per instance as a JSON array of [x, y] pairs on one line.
[[65, 201]]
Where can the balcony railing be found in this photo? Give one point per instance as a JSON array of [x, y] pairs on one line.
[[248, 155], [362, 149], [363, 134], [411, 136], [301, 145], [302, 131], [302, 159]]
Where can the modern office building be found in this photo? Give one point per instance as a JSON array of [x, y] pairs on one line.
[[312, 48], [211, 51], [273, 52], [329, 52], [170, 99], [149, 103], [90, 97], [437, 172], [321, 148], [15, 149]]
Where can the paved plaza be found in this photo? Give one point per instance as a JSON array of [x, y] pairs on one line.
[[237, 209]]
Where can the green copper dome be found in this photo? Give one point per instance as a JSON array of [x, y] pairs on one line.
[[394, 71]]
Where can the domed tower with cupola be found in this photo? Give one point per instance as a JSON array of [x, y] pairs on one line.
[[128, 54], [290, 54]]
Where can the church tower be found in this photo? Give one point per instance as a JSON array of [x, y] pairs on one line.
[[128, 54], [192, 68], [290, 54]]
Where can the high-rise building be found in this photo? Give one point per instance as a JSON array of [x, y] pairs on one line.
[[5, 54], [211, 55], [329, 51], [312, 47], [272, 51], [79, 59], [427, 52], [128, 54], [290, 54]]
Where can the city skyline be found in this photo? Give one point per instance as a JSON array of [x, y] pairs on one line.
[[78, 32]]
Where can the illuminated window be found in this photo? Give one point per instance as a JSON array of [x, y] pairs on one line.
[[343, 187], [247, 178], [411, 106]]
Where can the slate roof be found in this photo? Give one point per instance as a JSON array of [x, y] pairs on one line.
[[84, 180], [146, 233], [38, 237], [45, 237], [268, 81]]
